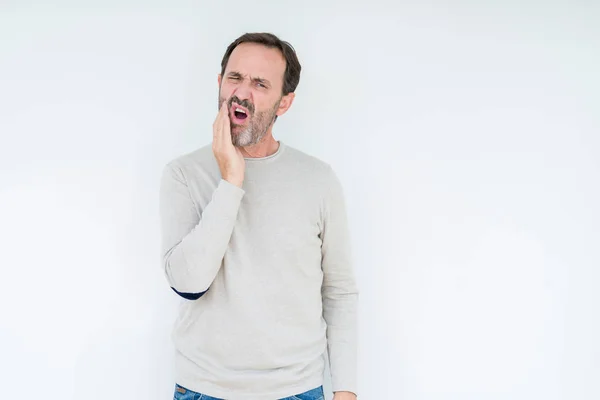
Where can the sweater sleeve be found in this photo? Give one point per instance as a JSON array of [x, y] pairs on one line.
[[194, 242], [339, 290]]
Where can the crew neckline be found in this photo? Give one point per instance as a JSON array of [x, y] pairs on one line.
[[280, 150]]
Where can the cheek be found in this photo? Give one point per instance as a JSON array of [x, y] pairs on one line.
[[264, 103]]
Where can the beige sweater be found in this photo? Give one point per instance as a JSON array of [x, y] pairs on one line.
[[265, 272]]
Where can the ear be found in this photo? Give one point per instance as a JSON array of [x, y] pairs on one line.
[[219, 79], [285, 103]]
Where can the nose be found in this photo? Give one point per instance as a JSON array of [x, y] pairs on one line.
[[243, 92]]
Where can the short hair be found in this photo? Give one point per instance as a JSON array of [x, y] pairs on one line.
[[291, 77]]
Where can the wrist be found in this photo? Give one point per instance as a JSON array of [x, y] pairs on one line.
[[344, 395], [234, 181]]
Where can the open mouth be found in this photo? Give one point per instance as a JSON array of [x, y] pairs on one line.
[[238, 114]]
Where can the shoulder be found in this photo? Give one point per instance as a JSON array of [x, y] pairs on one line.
[[316, 177], [314, 168], [193, 159], [198, 161]]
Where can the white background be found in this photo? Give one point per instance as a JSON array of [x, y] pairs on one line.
[[466, 134]]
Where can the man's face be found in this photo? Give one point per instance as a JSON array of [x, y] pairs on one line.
[[252, 86]]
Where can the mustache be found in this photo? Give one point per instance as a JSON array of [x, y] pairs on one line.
[[243, 103]]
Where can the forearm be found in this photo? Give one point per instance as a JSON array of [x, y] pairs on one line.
[[340, 305]]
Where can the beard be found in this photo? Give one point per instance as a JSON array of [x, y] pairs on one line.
[[258, 122]]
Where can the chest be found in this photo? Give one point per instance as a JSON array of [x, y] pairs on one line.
[[281, 216]]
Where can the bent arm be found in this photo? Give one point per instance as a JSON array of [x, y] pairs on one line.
[[193, 245]]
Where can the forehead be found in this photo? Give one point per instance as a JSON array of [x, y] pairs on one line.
[[257, 60]]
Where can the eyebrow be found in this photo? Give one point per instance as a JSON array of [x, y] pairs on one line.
[[255, 79]]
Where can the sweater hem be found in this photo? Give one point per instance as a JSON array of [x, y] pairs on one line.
[[209, 389]]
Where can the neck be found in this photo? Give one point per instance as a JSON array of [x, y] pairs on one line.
[[267, 146]]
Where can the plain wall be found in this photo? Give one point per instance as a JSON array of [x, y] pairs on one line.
[[466, 135]]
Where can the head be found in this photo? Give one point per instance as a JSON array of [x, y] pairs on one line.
[[259, 74]]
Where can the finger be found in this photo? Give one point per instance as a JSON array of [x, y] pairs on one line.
[[226, 128], [219, 114], [217, 125]]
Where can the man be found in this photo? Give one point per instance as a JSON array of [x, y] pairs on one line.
[[255, 238]]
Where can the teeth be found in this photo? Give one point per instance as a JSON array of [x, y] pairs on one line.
[[240, 110]]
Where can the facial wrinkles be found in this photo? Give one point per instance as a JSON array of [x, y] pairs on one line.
[[258, 123]]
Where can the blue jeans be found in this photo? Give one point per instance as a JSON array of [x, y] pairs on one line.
[[182, 393]]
